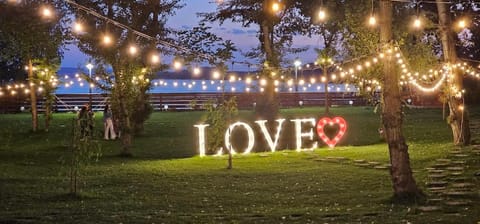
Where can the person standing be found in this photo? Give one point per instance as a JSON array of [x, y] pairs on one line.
[[108, 123]]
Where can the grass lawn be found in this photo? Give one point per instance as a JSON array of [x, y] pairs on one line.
[[165, 182]]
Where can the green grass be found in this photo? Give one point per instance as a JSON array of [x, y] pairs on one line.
[[167, 183]]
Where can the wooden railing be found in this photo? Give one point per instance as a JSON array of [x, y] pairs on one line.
[[181, 101]]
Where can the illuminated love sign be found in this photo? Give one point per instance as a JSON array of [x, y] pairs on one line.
[[331, 122], [272, 142]]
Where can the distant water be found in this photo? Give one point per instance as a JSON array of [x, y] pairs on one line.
[[205, 86], [72, 85]]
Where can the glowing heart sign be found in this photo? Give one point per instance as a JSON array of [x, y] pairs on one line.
[[325, 121], [303, 130]]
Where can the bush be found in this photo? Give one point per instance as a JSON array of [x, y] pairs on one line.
[[218, 116]]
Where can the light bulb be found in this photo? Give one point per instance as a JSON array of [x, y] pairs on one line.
[[132, 50], [372, 20], [322, 15], [417, 23], [77, 27], [196, 71], [462, 24], [107, 39], [276, 7], [46, 12], [155, 59], [177, 65]]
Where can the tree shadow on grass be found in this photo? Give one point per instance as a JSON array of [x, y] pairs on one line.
[[70, 197], [408, 199]]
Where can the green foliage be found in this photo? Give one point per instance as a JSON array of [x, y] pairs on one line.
[[25, 34], [129, 99], [359, 39], [142, 111], [203, 44], [282, 27], [130, 80], [275, 38], [84, 149], [218, 116], [46, 76], [193, 105]]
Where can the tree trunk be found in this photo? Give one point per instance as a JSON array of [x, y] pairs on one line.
[[126, 127], [404, 185], [458, 118], [33, 96], [267, 102], [48, 114], [126, 143], [327, 98]]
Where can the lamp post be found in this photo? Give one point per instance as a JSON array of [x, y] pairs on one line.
[[90, 66], [297, 64]]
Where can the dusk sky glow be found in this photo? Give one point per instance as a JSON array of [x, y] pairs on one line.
[[244, 38]]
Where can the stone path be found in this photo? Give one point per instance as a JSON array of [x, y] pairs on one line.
[[452, 185], [475, 129], [450, 188]]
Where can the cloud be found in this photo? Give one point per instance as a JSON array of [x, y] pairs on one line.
[[238, 31]]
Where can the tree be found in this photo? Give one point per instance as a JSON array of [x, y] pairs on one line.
[[29, 32], [404, 185], [204, 46], [469, 45], [46, 71], [360, 41], [11, 68], [127, 83], [276, 29], [458, 118], [331, 31]]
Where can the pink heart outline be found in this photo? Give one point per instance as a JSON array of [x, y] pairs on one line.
[[327, 121]]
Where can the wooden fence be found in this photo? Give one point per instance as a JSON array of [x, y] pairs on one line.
[[181, 101]]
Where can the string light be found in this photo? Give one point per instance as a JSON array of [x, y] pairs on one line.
[[177, 65], [107, 40], [196, 71], [417, 23], [372, 21], [46, 12], [276, 7], [322, 15], [407, 77], [77, 27], [462, 24], [155, 59], [132, 50], [430, 89], [216, 75]]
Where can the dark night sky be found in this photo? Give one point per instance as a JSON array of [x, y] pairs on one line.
[[244, 38]]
